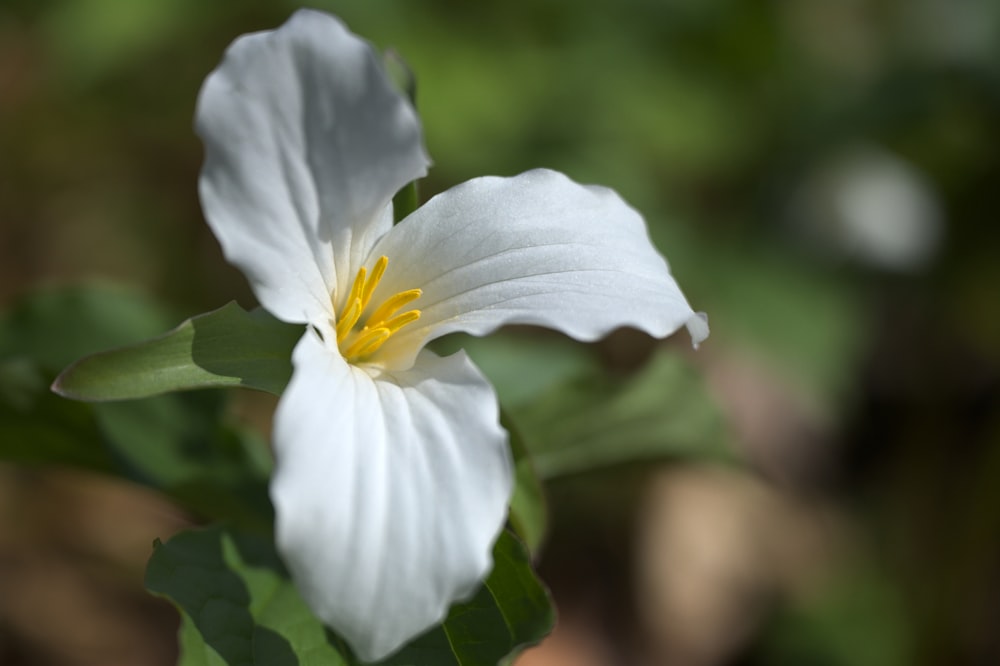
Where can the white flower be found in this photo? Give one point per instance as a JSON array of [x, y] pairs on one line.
[[392, 471]]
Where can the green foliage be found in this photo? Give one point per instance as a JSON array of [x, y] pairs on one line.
[[567, 415], [237, 602], [56, 326], [239, 606], [573, 417], [856, 621], [510, 611], [405, 201], [94, 36], [226, 347], [180, 444], [528, 511], [807, 322], [521, 366], [594, 420], [42, 333], [37, 427]]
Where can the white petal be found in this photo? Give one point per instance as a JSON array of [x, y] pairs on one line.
[[533, 249], [306, 141], [389, 491]]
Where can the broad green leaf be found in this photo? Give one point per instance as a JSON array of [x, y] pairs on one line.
[[180, 444], [226, 347], [528, 510], [595, 420], [236, 601], [238, 606]]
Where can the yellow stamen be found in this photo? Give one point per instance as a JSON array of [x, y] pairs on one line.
[[401, 320], [392, 305], [357, 288], [377, 272], [348, 319], [368, 342], [352, 306], [358, 336]]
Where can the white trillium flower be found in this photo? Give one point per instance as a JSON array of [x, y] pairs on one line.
[[393, 473]]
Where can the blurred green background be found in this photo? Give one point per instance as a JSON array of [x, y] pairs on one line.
[[819, 484]]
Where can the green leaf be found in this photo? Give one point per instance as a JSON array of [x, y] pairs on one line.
[[177, 444], [226, 347], [238, 606], [528, 510], [236, 602], [180, 444], [595, 420]]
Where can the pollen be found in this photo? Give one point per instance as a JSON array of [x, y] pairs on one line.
[[363, 327]]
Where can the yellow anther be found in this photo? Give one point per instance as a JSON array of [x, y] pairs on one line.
[[367, 343], [358, 336], [401, 320], [348, 319], [392, 305], [357, 289], [377, 272]]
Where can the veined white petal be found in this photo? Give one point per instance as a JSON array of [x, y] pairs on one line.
[[389, 491], [533, 249], [306, 142]]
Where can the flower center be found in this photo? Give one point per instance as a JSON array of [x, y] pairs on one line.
[[360, 336]]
